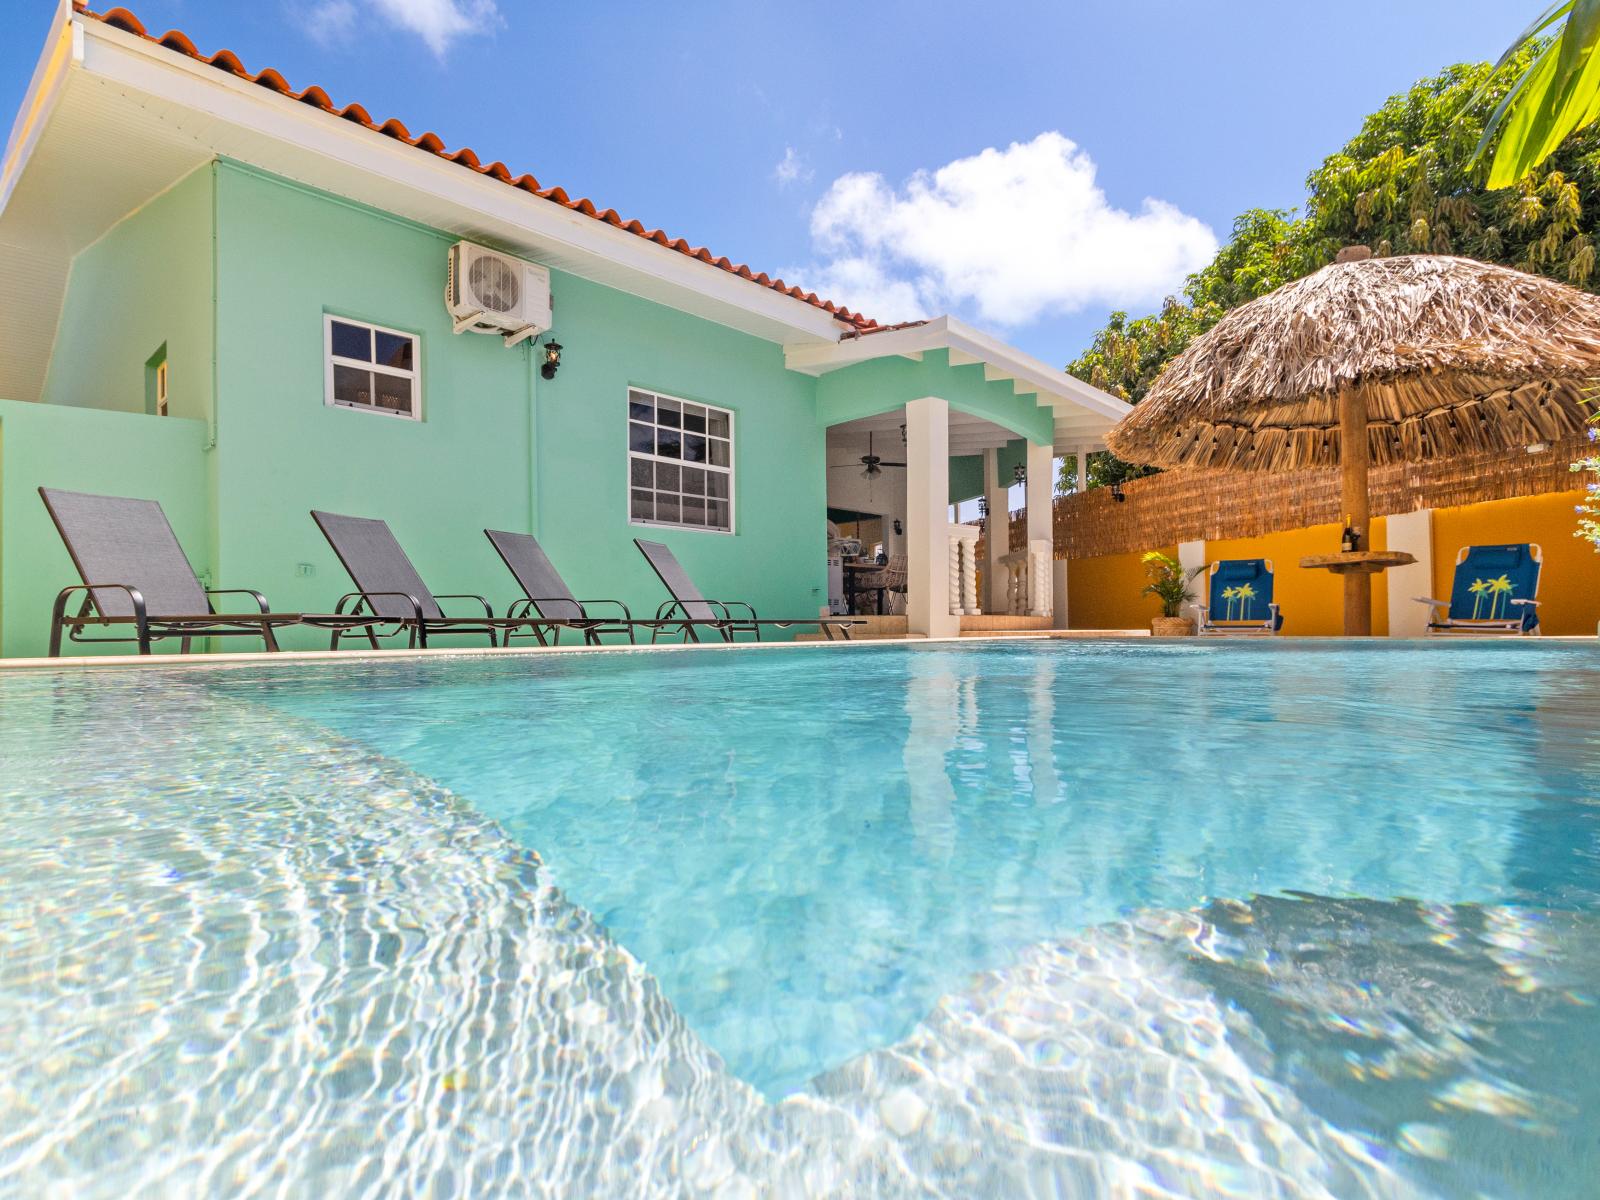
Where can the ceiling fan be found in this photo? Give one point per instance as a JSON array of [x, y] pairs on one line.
[[873, 464]]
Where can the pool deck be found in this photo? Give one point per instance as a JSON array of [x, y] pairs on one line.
[[327, 657]]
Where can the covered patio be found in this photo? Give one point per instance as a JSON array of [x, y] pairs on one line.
[[968, 417]]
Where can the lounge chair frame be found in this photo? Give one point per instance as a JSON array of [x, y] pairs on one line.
[[531, 567], [688, 611], [1441, 624], [147, 627], [414, 619]]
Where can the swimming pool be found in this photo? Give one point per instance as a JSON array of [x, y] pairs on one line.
[[1058, 918]]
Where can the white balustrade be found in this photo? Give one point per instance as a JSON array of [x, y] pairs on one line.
[[1028, 580], [963, 546]]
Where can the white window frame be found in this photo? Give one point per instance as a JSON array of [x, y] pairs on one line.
[[330, 360], [730, 470]]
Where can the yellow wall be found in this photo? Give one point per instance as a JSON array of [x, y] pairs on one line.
[[1569, 582], [1103, 592], [1312, 602]]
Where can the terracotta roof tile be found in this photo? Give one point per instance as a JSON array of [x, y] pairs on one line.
[[226, 60]]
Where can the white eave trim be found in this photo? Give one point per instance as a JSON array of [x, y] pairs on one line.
[[62, 51], [967, 346], [121, 57]]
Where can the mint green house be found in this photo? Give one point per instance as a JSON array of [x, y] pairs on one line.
[[231, 297]]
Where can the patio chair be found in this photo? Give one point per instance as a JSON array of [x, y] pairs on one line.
[[546, 594], [389, 588], [136, 574], [690, 610], [1239, 599], [891, 577], [1496, 590]]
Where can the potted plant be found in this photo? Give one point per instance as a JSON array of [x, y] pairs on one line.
[[1169, 583]]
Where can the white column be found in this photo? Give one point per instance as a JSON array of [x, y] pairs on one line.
[[1190, 556], [1413, 532], [1041, 490], [998, 539], [928, 519]]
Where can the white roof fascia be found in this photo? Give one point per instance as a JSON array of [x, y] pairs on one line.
[[123, 58], [966, 346], [63, 49]]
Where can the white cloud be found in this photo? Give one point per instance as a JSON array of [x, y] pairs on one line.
[[1012, 235], [792, 169], [436, 22]]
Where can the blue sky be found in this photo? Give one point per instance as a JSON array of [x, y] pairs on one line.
[[1027, 166]]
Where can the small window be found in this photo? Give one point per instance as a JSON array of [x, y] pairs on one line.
[[680, 463], [372, 368], [155, 383]]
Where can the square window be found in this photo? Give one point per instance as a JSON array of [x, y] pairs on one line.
[[372, 368], [680, 459]]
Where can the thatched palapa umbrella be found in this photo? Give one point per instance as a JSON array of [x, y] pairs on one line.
[[1374, 360]]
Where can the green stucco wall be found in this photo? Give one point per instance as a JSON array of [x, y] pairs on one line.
[[145, 283], [126, 454], [287, 255]]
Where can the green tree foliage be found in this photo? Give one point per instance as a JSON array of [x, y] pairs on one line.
[[1409, 182]]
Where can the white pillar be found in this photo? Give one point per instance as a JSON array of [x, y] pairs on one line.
[[1190, 556], [1041, 491], [928, 519], [1413, 532], [998, 539]]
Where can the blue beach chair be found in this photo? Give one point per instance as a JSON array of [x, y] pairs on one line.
[[1239, 599], [1496, 590]]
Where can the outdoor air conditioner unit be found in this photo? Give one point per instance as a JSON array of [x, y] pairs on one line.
[[490, 292]]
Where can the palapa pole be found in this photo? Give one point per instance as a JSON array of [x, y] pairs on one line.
[[1353, 455]]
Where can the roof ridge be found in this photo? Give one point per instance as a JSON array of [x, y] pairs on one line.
[[225, 60]]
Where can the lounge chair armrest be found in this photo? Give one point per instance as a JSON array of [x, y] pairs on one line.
[[1435, 603], [1204, 611], [361, 598], [487, 611], [728, 605], [261, 601], [134, 595], [673, 610], [1533, 602], [623, 608]]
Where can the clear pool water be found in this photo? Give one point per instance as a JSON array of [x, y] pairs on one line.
[[1010, 918]]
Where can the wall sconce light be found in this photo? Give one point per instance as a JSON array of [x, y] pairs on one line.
[[1019, 475], [1116, 492], [552, 359], [898, 528], [983, 507]]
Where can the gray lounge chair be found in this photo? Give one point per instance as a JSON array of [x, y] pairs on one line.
[[136, 574], [388, 587], [546, 594], [727, 617]]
